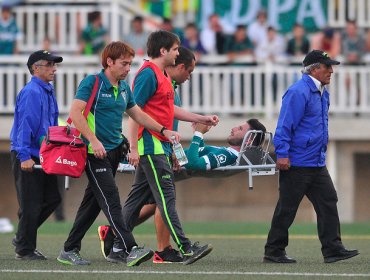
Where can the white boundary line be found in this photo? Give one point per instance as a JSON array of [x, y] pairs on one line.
[[189, 272]]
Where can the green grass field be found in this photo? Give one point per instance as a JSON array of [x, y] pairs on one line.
[[237, 254]]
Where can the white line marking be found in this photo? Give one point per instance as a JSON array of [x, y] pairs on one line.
[[190, 272]]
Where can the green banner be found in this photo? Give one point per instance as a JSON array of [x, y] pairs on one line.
[[282, 14]]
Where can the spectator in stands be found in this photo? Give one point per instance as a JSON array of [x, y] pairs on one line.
[[353, 50], [137, 37], [9, 32], [212, 36], [257, 30], [192, 40], [353, 43], [368, 41], [168, 26], [94, 37], [298, 45], [238, 44], [270, 48], [327, 40]]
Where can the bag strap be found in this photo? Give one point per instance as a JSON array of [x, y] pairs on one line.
[[90, 101]]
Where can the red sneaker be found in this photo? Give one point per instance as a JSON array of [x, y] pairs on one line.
[[168, 255], [106, 237]]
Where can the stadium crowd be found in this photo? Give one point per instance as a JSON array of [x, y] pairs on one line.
[[259, 41]]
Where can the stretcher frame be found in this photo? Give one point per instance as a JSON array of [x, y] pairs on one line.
[[255, 160]]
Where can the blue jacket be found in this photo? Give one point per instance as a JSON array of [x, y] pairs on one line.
[[302, 130], [36, 109]]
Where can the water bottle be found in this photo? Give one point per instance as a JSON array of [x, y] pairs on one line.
[[179, 152]]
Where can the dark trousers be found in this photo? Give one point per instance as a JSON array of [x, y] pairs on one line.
[[154, 179], [59, 211], [38, 196], [317, 185], [101, 193]]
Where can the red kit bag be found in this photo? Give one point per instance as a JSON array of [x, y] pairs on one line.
[[62, 151]]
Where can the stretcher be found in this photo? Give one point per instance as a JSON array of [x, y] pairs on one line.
[[255, 160]]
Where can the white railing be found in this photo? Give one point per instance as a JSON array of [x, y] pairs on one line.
[[340, 10], [62, 21], [212, 89]]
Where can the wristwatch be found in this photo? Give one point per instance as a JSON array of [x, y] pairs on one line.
[[163, 129]]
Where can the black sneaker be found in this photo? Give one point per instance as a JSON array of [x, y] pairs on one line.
[[106, 237], [168, 255], [139, 255], [37, 252], [117, 257], [30, 257], [196, 252]]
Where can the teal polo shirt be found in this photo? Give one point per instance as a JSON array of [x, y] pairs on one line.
[[105, 116], [144, 89]]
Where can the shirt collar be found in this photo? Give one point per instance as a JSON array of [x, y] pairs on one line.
[[45, 85], [106, 81], [318, 84], [233, 151]]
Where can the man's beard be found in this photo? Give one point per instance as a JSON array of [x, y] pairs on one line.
[[234, 142]]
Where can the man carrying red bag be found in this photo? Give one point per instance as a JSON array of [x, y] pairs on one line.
[[102, 132], [37, 192]]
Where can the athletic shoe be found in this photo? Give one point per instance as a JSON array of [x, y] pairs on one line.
[[117, 257], [31, 257], [106, 237], [139, 255], [72, 257], [196, 252], [168, 255], [36, 252]]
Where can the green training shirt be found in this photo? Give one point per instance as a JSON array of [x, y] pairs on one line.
[[203, 157], [105, 116]]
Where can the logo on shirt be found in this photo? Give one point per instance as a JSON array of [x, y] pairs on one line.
[[108, 95], [221, 158], [124, 95]]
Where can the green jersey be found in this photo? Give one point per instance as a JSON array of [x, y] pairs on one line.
[[105, 116], [203, 157]]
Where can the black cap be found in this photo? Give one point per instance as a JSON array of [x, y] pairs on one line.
[[317, 56], [43, 55]]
